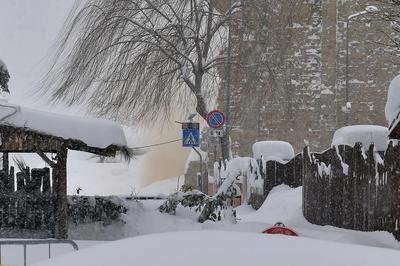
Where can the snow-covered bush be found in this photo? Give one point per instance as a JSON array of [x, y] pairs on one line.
[[366, 134], [211, 206], [234, 171], [187, 197], [280, 151]]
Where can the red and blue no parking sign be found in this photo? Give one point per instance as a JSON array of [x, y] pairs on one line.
[[215, 119]]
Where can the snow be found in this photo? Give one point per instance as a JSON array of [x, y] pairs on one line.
[[13, 255], [366, 134], [392, 108], [142, 218], [224, 248], [284, 204], [273, 151], [97, 133], [234, 171], [161, 239]]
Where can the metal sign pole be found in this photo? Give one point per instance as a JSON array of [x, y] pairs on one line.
[[201, 167], [225, 138]]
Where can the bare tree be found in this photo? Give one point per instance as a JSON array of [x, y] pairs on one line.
[[389, 11], [140, 58], [4, 77]]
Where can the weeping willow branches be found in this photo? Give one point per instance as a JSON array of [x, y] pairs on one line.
[[138, 59]]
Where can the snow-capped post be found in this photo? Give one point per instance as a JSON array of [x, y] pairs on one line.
[[4, 77]]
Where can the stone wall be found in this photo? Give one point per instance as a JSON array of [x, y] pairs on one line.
[[289, 79]]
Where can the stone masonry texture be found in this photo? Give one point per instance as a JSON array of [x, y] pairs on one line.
[[288, 79]]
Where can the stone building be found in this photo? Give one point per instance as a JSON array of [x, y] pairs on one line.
[[288, 80]]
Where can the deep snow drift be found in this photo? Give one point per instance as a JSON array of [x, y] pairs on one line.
[[225, 248], [224, 243], [282, 205]]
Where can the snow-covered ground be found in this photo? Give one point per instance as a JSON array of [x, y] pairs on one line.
[[225, 248], [13, 255], [151, 237], [284, 205]]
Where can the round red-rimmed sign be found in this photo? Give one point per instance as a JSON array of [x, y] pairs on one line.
[[215, 119], [281, 230]]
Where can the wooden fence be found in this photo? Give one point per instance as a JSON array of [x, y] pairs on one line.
[[353, 188], [27, 205], [276, 173], [347, 187]]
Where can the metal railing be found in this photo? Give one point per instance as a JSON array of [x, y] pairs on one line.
[[25, 243]]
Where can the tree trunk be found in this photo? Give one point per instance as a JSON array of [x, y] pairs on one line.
[[201, 107]]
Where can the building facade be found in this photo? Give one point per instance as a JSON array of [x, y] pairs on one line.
[[289, 76]]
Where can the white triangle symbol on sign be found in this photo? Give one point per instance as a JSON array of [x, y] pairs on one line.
[[190, 140]]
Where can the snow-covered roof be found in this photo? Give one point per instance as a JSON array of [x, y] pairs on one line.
[[392, 108], [97, 133], [280, 151], [366, 134]]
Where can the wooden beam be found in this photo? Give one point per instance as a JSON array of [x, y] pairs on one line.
[[46, 159], [60, 170]]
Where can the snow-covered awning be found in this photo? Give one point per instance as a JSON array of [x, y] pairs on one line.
[[90, 132]]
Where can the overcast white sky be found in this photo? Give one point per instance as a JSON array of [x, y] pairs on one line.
[[28, 29]]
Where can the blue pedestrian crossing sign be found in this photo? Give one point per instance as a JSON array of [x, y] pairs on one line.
[[190, 135]]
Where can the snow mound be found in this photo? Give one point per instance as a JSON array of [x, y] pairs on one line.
[[283, 204], [97, 133], [224, 248], [392, 108], [280, 151], [366, 134]]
